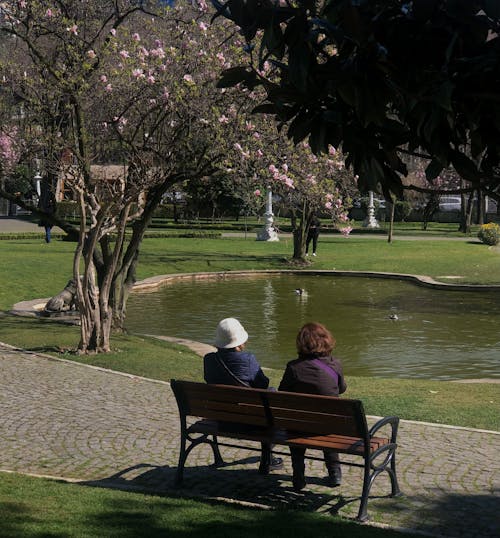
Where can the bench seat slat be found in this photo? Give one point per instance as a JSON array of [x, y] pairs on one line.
[[321, 425], [340, 443]]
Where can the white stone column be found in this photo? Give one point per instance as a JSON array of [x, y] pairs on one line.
[[268, 233], [370, 221]]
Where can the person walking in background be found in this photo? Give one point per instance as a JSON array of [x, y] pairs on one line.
[[315, 371], [312, 235], [231, 365], [47, 203]]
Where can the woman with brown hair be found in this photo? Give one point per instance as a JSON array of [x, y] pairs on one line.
[[315, 371]]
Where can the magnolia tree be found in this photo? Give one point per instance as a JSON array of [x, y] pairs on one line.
[[113, 82]]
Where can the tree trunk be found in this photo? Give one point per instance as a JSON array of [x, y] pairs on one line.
[[430, 208], [481, 207], [300, 230], [391, 223], [466, 213]]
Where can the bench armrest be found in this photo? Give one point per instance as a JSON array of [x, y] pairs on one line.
[[394, 423]]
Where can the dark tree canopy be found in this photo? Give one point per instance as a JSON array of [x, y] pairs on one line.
[[379, 78]]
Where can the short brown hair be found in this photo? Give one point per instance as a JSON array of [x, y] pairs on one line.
[[315, 339]]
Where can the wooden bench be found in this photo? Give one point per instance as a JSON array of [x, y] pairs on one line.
[[285, 418]]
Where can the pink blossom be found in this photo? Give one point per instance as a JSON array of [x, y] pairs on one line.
[[202, 5], [285, 167], [311, 179], [165, 95], [257, 192], [124, 54], [220, 57], [23, 4], [73, 29], [223, 119], [137, 73], [109, 88], [136, 37], [203, 27], [259, 153], [91, 54], [188, 78], [112, 31], [49, 13], [157, 53], [249, 126], [237, 146], [328, 205], [329, 197], [346, 230], [344, 217], [8, 151], [272, 169], [103, 79], [338, 203], [151, 79], [256, 135], [331, 150]]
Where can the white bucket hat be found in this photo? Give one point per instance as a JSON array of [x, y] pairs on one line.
[[230, 333]]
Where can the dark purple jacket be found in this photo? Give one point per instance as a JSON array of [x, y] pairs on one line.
[[242, 364], [303, 375]]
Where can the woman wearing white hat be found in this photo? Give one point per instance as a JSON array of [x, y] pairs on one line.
[[231, 365]]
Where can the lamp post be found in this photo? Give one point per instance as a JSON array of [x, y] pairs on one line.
[[370, 221], [268, 233]]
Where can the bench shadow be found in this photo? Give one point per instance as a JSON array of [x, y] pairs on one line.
[[227, 482]]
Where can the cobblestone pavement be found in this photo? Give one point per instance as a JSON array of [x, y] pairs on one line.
[[69, 420]]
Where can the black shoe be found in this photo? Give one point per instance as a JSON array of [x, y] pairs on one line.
[[299, 482], [275, 465]]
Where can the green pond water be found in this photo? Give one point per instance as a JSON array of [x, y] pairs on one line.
[[438, 334]]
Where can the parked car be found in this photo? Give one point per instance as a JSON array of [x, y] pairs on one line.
[[450, 203]]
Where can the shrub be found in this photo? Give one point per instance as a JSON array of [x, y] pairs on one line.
[[67, 208], [489, 233]]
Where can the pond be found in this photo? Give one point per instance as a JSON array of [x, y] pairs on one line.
[[438, 334]]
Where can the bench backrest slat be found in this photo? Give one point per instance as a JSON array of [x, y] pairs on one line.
[[282, 410], [317, 414]]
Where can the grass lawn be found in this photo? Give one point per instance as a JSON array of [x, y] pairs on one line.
[[36, 508]]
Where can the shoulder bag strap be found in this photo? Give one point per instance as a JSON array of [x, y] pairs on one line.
[[228, 371], [328, 369]]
